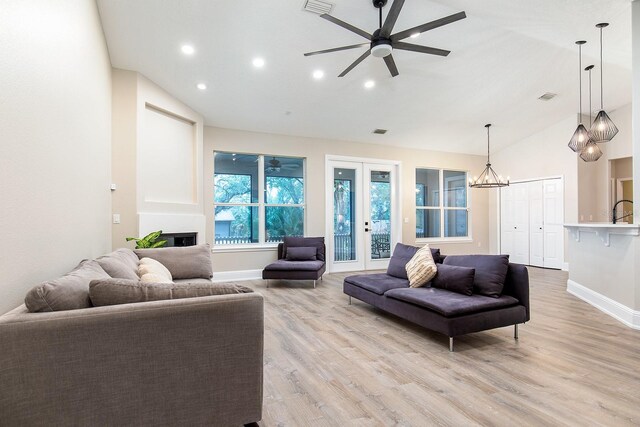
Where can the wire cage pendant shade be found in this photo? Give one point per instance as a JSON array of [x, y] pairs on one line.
[[591, 153], [603, 129], [580, 137], [488, 178]]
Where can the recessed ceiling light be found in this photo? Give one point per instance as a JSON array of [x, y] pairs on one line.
[[369, 84], [414, 35], [187, 49], [201, 86], [258, 62], [318, 74]]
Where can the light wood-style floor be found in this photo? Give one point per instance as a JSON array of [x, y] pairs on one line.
[[331, 364]]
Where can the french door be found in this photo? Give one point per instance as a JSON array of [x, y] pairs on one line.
[[363, 218]]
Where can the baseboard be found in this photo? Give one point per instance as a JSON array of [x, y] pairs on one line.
[[618, 311], [234, 276]]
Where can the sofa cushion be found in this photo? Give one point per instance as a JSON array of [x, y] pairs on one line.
[[301, 253], [491, 271], [401, 256], [120, 264], [449, 304], [421, 268], [377, 283], [454, 279], [317, 242], [68, 292], [188, 262], [284, 265], [152, 271], [121, 291]]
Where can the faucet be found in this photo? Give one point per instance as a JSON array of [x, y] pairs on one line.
[[616, 206]]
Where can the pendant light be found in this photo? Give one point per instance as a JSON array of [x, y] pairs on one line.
[[591, 152], [488, 178], [602, 129], [580, 137]]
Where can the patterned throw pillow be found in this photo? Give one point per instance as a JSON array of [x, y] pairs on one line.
[[421, 268]]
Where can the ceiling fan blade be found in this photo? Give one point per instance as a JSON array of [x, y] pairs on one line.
[[392, 17], [429, 26], [421, 49], [336, 49], [356, 62], [391, 65], [346, 26]]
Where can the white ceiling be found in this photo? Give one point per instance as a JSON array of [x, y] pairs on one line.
[[504, 56]]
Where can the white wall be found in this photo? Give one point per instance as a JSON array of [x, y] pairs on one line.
[[542, 155], [157, 161], [315, 151], [55, 132]]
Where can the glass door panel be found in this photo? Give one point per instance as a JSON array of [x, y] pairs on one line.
[[344, 214], [380, 213]]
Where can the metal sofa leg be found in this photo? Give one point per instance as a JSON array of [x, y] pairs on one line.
[[451, 344], [267, 283], [349, 300], [314, 284], [515, 331]]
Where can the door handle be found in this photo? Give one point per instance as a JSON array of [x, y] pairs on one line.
[[366, 230]]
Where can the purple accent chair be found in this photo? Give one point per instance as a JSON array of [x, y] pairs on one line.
[[293, 268]]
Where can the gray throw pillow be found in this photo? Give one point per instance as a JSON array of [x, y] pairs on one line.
[[68, 292], [317, 242], [189, 262], [454, 279], [120, 264], [402, 254], [303, 253], [121, 291], [490, 275]]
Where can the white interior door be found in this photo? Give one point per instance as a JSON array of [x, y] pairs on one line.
[[553, 192], [507, 229], [520, 253], [362, 217], [536, 223]]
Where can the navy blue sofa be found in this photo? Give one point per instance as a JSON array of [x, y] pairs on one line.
[[444, 311]]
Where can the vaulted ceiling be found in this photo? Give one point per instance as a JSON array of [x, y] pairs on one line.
[[504, 56]]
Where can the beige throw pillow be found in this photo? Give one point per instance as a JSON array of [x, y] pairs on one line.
[[421, 268], [152, 271]]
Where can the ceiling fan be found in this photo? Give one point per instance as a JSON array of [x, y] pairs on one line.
[[275, 165], [382, 42]]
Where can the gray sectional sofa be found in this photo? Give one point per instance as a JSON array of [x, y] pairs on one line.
[[446, 311], [188, 361]]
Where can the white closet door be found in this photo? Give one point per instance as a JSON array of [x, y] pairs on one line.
[[553, 220], [520, 254], [536, 224], [506, 220]]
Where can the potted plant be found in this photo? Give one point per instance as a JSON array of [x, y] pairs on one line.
[[148, 241]]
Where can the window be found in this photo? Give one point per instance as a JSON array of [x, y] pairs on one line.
[[257, 199], [441, 204]]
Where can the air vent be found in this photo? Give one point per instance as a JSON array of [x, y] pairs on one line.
[[547, 96], [380, 131], [318, 6]]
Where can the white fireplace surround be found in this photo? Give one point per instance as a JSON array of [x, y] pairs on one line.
[[173, 223]]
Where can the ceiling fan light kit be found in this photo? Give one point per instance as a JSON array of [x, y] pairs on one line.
[[488, 178], [382, 42]]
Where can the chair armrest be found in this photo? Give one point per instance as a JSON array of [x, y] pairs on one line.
[[517, 285], [194, 361]]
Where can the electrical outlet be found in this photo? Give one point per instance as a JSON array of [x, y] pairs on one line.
[[116, 218], [113, 187]]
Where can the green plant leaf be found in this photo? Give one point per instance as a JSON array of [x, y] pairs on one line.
[[128, 239], [158, 244]]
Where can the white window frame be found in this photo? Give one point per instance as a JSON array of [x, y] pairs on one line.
[[261, 205], [443, 209]]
